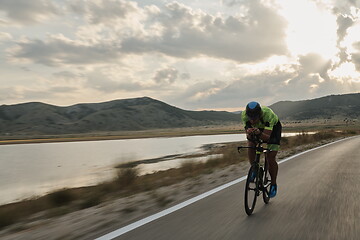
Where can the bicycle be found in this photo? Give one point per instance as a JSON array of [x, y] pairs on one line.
[[261, 183]]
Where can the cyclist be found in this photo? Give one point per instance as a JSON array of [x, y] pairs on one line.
[[264, 124]]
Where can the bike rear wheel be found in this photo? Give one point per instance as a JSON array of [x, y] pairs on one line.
[[251, 191]]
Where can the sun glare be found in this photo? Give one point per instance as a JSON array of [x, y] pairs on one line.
[[346, 70], [310, 30]]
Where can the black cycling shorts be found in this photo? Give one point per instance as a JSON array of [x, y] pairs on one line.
[[275, 136]]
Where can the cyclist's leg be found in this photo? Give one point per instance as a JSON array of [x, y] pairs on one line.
[[251, 152], [274, 145], [251, 157], [273, 166]]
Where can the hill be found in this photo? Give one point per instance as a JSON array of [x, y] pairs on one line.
[[144, 113], [118, 115], [329, 107]]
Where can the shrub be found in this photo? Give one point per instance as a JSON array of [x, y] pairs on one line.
[[351, 132], [323, 135], [92, 200], [161, 199], [6, 218], [284, 141], [126, 176], [213, 162], [61, 198], [188, 167]]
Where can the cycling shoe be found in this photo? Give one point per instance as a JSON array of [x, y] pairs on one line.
[[273, 191]]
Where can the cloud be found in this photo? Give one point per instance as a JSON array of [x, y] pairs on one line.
[[65, 75], [26, 12], [99, 80], [23, 93], [355, 57], [5, 36], [62, 89], [193, 55], [232, 3], [347, 16], [103, 11], [8, 93], [166, 76], [345, 7], [3, 22], [357, 45], [58, 50], [176, 30], [46, 93], [314, 63], [197, 94], [267, 87], [185, 76], [311, 73], [186, 33], [344, 22]]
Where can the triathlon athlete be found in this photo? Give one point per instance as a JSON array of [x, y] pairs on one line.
[[263, 123]]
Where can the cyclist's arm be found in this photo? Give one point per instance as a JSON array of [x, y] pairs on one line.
[[272, 120], [248, 128]]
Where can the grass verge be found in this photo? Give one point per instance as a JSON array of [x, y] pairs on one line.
[[128, 182]]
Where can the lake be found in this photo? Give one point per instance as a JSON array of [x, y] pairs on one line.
[[29, 170]]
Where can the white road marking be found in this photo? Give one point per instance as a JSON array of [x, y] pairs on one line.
[[179, 206]]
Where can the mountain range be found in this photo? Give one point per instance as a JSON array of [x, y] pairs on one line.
[[118, 115], [147, 113], [329, 107]]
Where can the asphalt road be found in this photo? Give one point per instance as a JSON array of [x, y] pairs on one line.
[[318, 198]]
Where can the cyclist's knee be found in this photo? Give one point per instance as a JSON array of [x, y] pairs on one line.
[[271, 156], [251, 144]]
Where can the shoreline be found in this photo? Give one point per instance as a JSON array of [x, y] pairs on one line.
[[123, 135], [101, 138]]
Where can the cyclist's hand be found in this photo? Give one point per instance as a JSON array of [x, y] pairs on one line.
[[253, 131], [253, 134], [249, 130]]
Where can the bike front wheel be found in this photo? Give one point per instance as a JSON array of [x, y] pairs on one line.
[[251, 191], [266, 184]]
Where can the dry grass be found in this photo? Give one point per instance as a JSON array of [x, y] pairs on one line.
[[128, 182], [304, 138]]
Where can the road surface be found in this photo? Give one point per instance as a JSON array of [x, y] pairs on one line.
[[318, 198]]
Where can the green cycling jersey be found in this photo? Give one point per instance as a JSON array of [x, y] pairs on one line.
[[268, 119]]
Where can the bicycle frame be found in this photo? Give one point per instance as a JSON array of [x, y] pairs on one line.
[[261, 180], [258, 151]]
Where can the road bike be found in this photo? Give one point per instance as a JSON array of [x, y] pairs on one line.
[[260, 184]]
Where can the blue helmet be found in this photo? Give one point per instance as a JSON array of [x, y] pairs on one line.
[[253, 110]]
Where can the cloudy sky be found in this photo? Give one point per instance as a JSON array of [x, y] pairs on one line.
[[194, 54]]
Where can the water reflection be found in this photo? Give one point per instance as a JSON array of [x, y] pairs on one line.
[[147, 168]]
